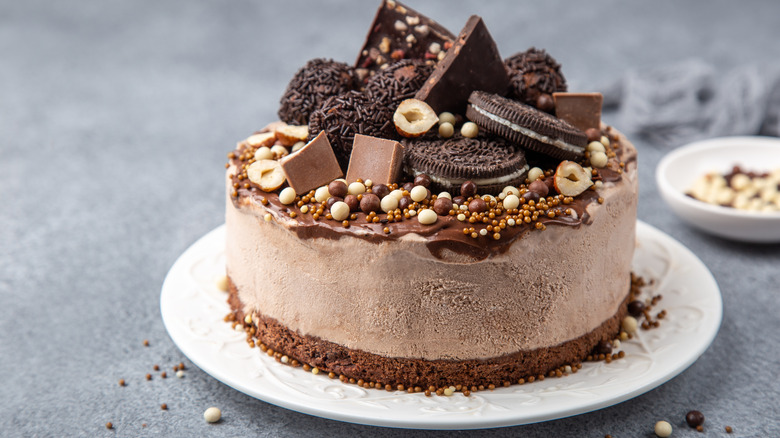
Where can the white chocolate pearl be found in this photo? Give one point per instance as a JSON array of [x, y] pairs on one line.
[[268, 217], [413, 213], [598, 159], [418, 193], [630, 324], [212, 415], [469, 130], [222, 283], [604, 140], [298, 146], [596, 146], [321, 194], [462, 217], [397, 194], [279, 151], [368, 183], [445, 195], [446, 130], [339, 210], [663, 429], [535, 173], [511, 201], [511, 190], [483, 232], [446, 117], [449, 391], [180, 374], [287, 196], [510, 222], [388, 203], [356, 188], [427, 216], [264, 153]]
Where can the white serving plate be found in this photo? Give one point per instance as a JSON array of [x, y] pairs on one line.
[[678, 170]]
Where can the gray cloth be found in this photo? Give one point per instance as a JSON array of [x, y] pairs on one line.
[[693, 100]]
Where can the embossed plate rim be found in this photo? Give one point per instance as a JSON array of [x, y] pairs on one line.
[[192, 311]]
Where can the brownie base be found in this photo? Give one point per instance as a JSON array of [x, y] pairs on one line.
[[411, 372]]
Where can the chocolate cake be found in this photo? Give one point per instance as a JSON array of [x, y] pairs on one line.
[[404, 281]]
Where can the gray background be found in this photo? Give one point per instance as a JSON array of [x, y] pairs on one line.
[[115, 118]]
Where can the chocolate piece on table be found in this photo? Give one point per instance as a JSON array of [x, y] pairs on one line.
[[376, 159], [311, 166], [582, 110], [473, 63], [399, 32]]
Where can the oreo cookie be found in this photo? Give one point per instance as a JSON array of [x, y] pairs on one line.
[[492, 163], [534, 77], [343, 116], [312, 84], [398, 82], [526, 126]]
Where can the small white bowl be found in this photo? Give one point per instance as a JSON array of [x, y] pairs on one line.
[[678, 170]]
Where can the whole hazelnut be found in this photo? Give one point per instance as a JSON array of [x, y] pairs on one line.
[[593, 134], [442, 206], [380, 190], [477, 205], [332, 200], [353, 202], [369, 203], [338, 189], [545, 103], [422, 180], [468, 188], [539, 187]]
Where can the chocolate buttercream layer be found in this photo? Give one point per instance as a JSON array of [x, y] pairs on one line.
[[410, 371]]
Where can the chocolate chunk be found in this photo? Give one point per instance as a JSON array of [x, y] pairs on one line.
[[473, 63], [377, 159], [399, 32], [311, 166], [582, 110]]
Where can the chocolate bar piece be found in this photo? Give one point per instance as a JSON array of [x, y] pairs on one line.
[[376, 159], [582, 110], [399, 32], [472, 64], [311, 166]]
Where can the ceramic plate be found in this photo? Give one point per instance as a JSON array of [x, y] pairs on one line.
[[193, 310], [678, 170]]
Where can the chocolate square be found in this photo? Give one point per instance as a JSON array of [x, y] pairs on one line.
[[581, 110], [312, 166], [376, 159], [399, 32], [473, 63]]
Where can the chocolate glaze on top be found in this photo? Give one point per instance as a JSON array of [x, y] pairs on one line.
[[446, 233]]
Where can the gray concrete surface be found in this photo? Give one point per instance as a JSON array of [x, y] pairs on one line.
[[115, 118]]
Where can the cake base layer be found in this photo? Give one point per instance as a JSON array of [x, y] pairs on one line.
[[411, 372]]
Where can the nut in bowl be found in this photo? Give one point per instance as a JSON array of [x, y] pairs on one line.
[[680, 176]]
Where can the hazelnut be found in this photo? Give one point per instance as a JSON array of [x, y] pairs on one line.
[[267, 174], [262, 139], [571, 179], [446, 130], [414, 118], [447, 117], [264, 153], [469, 130]]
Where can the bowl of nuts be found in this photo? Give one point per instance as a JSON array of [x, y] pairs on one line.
[[728, 186]]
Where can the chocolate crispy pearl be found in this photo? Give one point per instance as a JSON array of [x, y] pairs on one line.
[[398, 82], [530, 128], [534, 73], [312, 84], [450, 162], [345, 115]]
